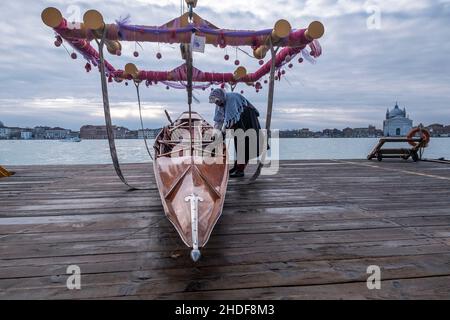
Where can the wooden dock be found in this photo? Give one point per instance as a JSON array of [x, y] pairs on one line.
[[308, 233]]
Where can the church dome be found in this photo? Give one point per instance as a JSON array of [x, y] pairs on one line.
[[396, 112]]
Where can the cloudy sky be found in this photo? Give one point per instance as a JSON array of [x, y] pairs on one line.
[[374, 53]]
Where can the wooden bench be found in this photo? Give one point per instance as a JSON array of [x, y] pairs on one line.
[[415, 152]]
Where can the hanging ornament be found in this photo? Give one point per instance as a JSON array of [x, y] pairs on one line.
[[126, 83], [57, 43], [167, 87], [283, 72], [159, 55], [136, 54], [88, 67], [266, 82], [118, 53], [242, 91], [257, 90], [226, 57], [222, 86], [300, 60], [288, 58], [276, 78], [237, 62], [110, 79], [290, 66], [73, 55], [261, 62]]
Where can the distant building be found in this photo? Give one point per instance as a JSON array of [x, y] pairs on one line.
[[90, 132], [147, 134], [14, 133], [39, 132], [56, 133], [397, 123], [5, 132], [26, 135]]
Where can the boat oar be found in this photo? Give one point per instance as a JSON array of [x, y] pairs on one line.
[[168, 117]]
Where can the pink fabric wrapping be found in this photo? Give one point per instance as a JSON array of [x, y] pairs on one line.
[[217, 37], [79, 40], [179, 74]]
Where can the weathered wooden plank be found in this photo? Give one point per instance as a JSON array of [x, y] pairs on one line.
[[311, 228], [143, 282]]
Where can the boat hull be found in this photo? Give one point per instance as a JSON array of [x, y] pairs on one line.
[[192, 184]]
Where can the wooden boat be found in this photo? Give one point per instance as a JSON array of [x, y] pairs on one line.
[[192, 180]]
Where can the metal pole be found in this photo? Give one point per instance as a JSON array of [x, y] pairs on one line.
[[268, 115]]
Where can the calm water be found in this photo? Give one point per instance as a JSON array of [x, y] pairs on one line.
[[133, 151]]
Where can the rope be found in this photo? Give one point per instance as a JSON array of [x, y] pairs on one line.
[[108, 120], [142, 121]]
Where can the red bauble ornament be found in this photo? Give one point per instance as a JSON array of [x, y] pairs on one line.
[[58, 44], [136, 54], [222, 86], [159, 55], [237, 62], [261, 62], [226, 57]]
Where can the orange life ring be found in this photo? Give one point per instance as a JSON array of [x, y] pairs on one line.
[[424, 135]]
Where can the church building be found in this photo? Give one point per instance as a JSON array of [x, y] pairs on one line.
[[397, 123]]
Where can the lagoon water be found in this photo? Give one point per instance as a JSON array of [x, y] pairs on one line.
[[37, 152]]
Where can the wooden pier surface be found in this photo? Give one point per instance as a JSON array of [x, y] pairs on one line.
[[309, 232]]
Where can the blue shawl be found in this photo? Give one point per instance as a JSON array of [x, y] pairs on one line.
[[234, 104]]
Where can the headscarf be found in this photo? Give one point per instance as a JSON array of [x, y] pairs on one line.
[[233, 106]]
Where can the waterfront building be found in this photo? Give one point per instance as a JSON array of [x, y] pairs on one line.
[[147, 134], [397, 123], [4, 131], [26, 135], [90, 132], [56, 133]]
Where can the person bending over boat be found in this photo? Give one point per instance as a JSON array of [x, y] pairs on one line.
[[234, 111]]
